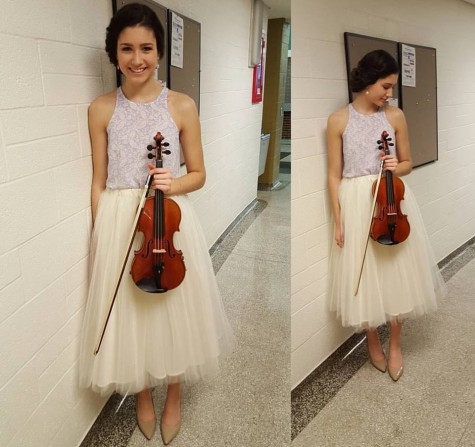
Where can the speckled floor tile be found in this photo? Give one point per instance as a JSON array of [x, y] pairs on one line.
[[248, 403], [432, 405], [468, 437]]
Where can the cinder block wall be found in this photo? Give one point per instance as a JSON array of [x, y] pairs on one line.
[[445, 190], [53, 65]]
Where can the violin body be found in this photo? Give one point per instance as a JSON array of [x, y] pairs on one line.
[[390, 226], [158, 266], [152, 271]]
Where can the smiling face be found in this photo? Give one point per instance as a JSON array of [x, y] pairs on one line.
[[137, 53], [382, 89]]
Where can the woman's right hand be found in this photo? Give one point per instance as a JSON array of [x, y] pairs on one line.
[[339, 238]]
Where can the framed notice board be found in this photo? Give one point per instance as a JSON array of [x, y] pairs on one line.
[[419, 102], [184, 79], [416, 92]]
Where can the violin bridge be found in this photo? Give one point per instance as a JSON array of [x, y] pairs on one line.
[[162, 250]]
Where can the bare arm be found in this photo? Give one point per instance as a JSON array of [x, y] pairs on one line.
[[98, 118], [402, 163], [185, 115], [335, 162]]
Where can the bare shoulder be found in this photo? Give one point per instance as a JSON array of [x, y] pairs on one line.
[[102, 108], [181, 102], [182, 109], [395, 116], [338, 120]]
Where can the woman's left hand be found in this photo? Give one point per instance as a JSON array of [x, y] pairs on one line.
[[162, 178], [390, 162]]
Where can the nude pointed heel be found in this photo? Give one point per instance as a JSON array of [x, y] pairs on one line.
[[146, 427], [169, 432], [395, 374], [380, 365]]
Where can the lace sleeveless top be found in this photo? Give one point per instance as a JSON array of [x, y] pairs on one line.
[[130, 130], [360, 148]]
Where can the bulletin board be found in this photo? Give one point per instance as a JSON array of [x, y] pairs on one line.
[[420, 105], [419, 102], [186, 79]]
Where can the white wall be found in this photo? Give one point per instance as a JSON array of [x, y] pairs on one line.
[[445, 190], [52, 66]]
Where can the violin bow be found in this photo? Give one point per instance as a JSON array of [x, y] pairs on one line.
[[373, 206], [146, 190]]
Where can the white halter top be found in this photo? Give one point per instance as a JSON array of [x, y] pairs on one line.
[[360, 148], [130, 130]]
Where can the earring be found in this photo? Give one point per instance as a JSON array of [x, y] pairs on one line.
[[367, 92], [158, 66]]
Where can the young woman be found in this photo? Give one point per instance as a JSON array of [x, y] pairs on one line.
[[397, 281], [151, 338]]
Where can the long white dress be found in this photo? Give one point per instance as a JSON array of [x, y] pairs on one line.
[[151, 338]]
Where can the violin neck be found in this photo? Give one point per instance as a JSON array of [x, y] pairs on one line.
[[159, 216]]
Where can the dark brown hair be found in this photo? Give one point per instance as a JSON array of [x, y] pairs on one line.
[[373, 66], [133, 14]]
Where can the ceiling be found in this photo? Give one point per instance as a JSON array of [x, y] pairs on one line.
[[278, 8]]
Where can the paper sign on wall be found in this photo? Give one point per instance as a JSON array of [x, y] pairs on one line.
[[408, 66], [177, 41]]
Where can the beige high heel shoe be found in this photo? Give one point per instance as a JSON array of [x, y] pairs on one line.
[[146, 427], [169, 432], [380, 365], [395, 374]]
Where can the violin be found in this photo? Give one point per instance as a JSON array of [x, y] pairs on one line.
[[158, 266], [389, 226]]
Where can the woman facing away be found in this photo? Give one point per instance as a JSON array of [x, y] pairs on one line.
[[397, 281], [151, 338]]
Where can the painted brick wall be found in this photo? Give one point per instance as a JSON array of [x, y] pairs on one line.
[[445, 190], [53, 65]]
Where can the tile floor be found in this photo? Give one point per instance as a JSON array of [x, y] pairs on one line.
[[248, 404], [433, 404]]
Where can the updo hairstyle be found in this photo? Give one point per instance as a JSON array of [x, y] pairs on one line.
[[375, 65], [133, 14]]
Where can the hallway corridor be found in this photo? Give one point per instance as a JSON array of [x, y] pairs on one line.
[[432, 405], [248, 403]]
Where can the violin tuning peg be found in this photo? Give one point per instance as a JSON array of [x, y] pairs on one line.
[[166, 144], [149, 147], [380, 148], [391, 144], [379, 141], [166, 152], [389, 139], [151, 156]]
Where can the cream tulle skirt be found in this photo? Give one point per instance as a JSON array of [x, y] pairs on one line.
[[151, 338], [398, 281]]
